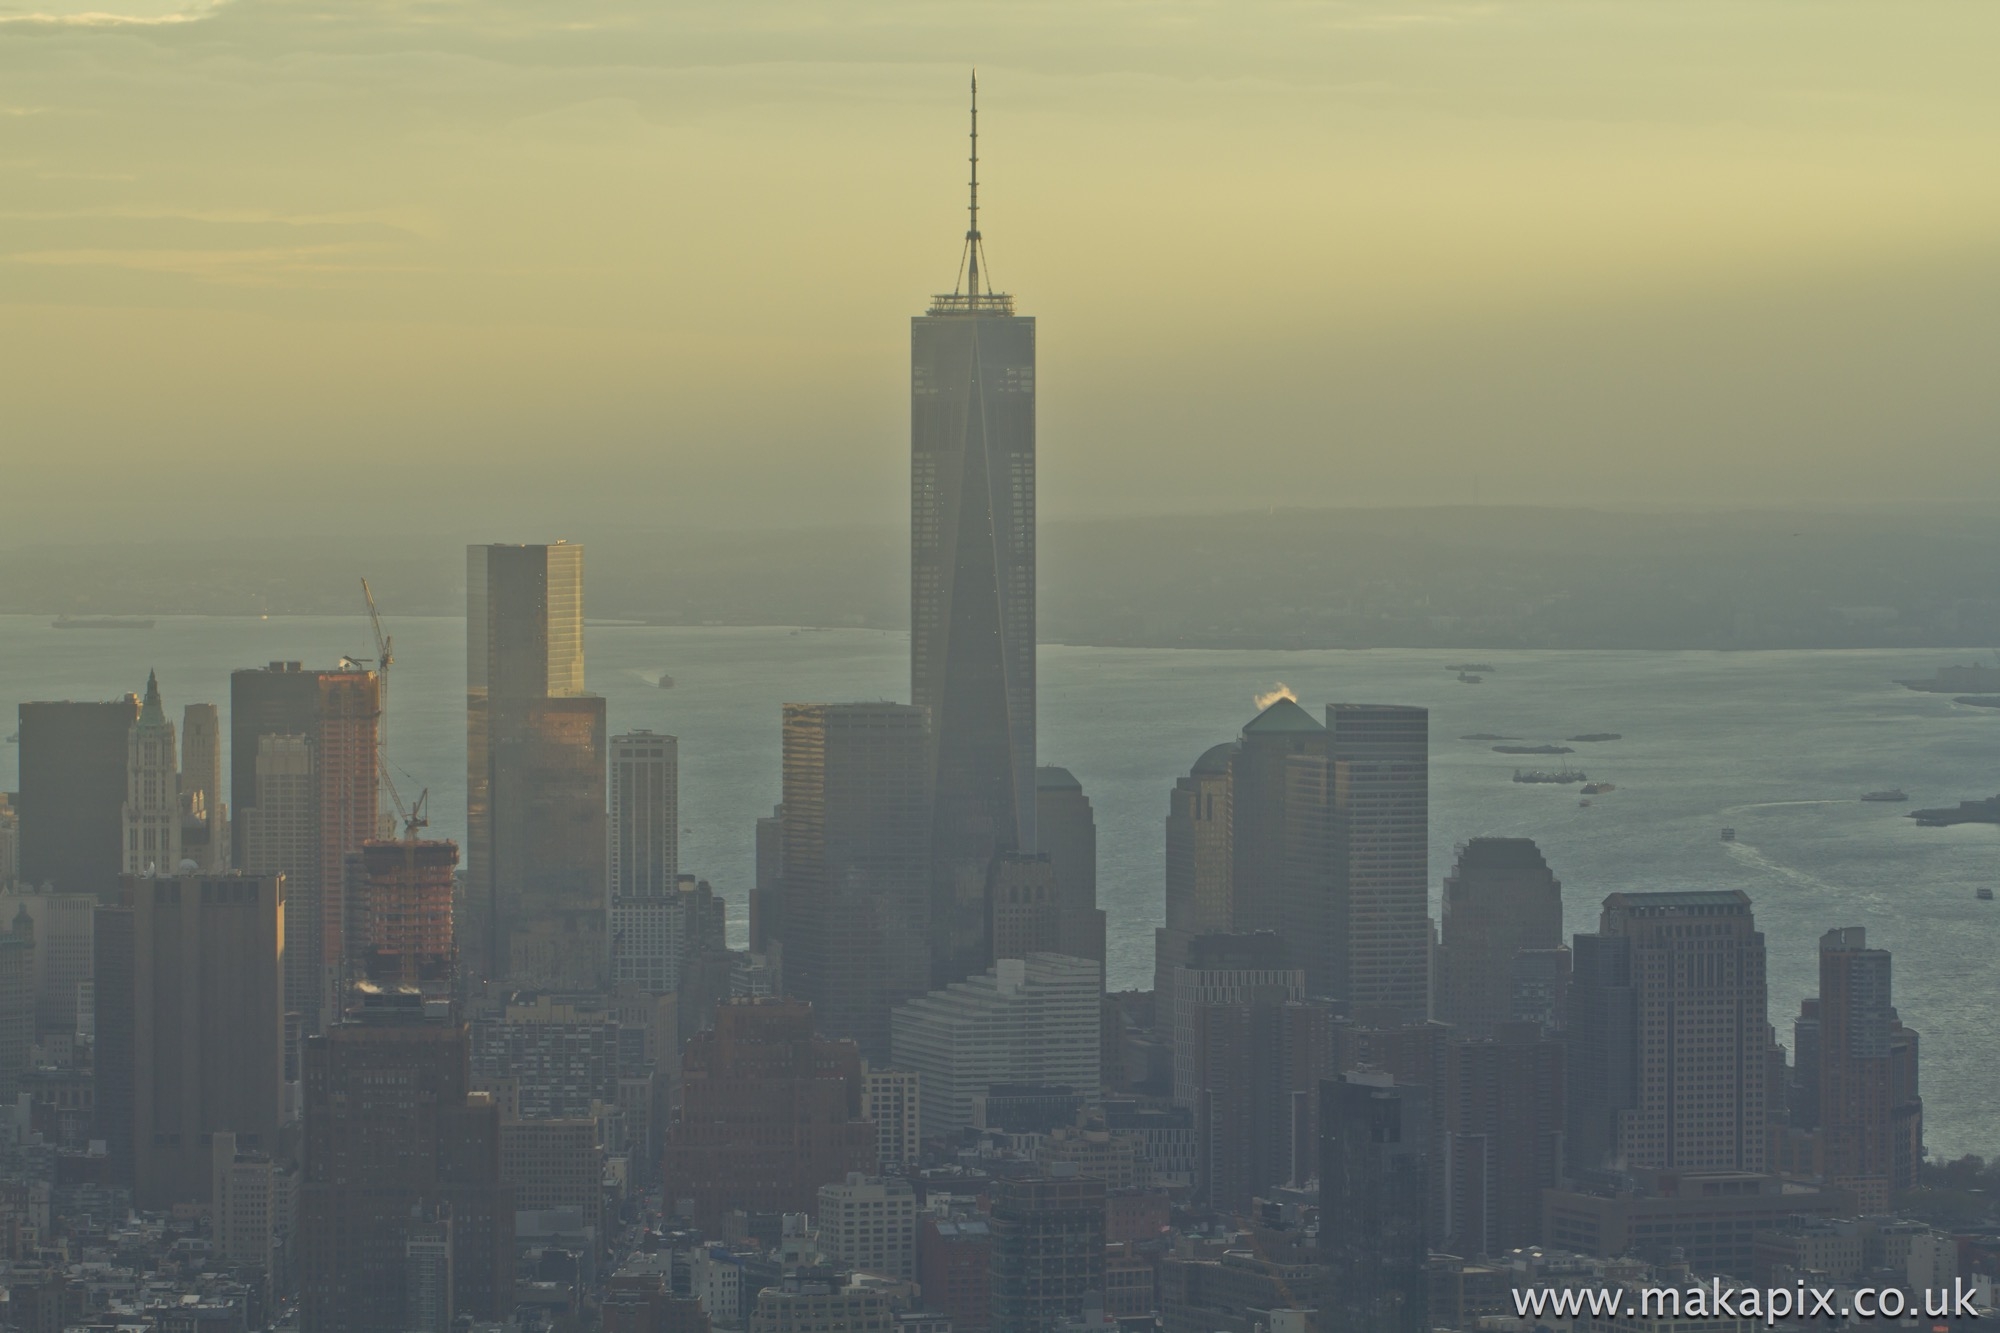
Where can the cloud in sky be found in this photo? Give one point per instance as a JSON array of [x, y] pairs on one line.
[[620, 256]]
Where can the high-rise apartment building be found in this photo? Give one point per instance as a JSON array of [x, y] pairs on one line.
[[152, 814], [1380, 755], [394, 1138], [1500, 900], [304, 788], [204, 812], [17, 1003], [1870, 1113], [208, 1026], [855, 886], [1684, 1078], [972, 589], [868, 1224], [1048, 1250], [1375, 1151], [769, 1113], [72, 798], [1200, 850], [890, 1099], [535, 772], [1033, 1020], [1066, 831], [1501, 1113], [399, 930], [252, 1203], [643, 856]]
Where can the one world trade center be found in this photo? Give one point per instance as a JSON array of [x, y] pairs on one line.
[[972, 588]]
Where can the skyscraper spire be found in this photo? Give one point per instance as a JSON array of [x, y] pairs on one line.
[[972, 225]]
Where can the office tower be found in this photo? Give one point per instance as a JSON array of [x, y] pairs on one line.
[[1870, 1116], [208, 1030], [1499, 900], [1502, 1122], [643, 859], [204, 814], [399, 929], [1380, 756], [890, 1099], [1281, 853], [1541, 987], [63, 954], [1375, 1137], [394, 1138], [250, 1204], [765, 928], [72, 797], [1066, 831], [1602, 1040], [1048, 1250], [955, 1269], [1236, 1010], [151, 817], [769, 1113], [1670, 1035], [535, 772], [1022, 896], [10, 841], [1027, 1020], [656, 940], [17, 1003], [868, 1224], [855, 887], [972, 589], [552, 1164], [304, 791], [1200, 850], [114, 1059]]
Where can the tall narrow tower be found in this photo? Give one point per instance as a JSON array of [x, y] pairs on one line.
[[972, 587], [152, 815]]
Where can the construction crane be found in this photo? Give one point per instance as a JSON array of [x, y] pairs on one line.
[[411, 817], [385, 657]]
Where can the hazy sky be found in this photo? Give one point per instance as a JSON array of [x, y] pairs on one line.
[[653, 259]]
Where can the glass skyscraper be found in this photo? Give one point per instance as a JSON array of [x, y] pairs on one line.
[[972, 590]]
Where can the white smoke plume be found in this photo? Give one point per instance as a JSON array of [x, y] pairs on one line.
[[1276, 692]]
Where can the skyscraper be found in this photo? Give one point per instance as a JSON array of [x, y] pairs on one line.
[[1502, 1125], [972, 588], [399, 928], [535, 772], [1381, 820], [152, 813], [1280, 876], [1067, 831], [208, 1025], [1691, 1063], [204, 814], [644, 822], [394, 1137], [304, 786], [1870, 1116], [856, 864], [1200, 849], [1375, 1140], [1499, 900], [72, 798]]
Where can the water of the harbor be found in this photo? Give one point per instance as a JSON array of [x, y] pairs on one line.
[[1778, 745]]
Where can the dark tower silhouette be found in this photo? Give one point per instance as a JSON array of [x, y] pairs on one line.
[[972, 588]]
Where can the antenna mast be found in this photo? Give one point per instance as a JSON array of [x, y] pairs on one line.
[[972, 227]]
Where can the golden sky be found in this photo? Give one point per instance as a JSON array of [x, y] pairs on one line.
[[651, 260]]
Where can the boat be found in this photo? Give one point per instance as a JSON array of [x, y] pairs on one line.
[[1467, 678], [1728, 834], [1584, 804], [1599, 788], [1532, 749], [1887, 794], [1984, 894], [1598, 736], [666, 681], [1486, 736], [1968, 812], [99, 622], [1475, 668], [1561, 777]]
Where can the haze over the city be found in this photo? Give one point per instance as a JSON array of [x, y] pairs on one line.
[[341, 266]]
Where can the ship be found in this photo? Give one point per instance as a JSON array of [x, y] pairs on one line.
[[1598, 736], [666, 682], [1471, 668], [1583, 804], [1984, 894], [1975, 679], [1561, 777], [1486, 736], [1887, 794], [1532, 749], [1467, 678], [1968, 812], [1599, 788], [1728, 834], [99, 622]]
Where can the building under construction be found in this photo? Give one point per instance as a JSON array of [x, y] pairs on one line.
[[399, 903]]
